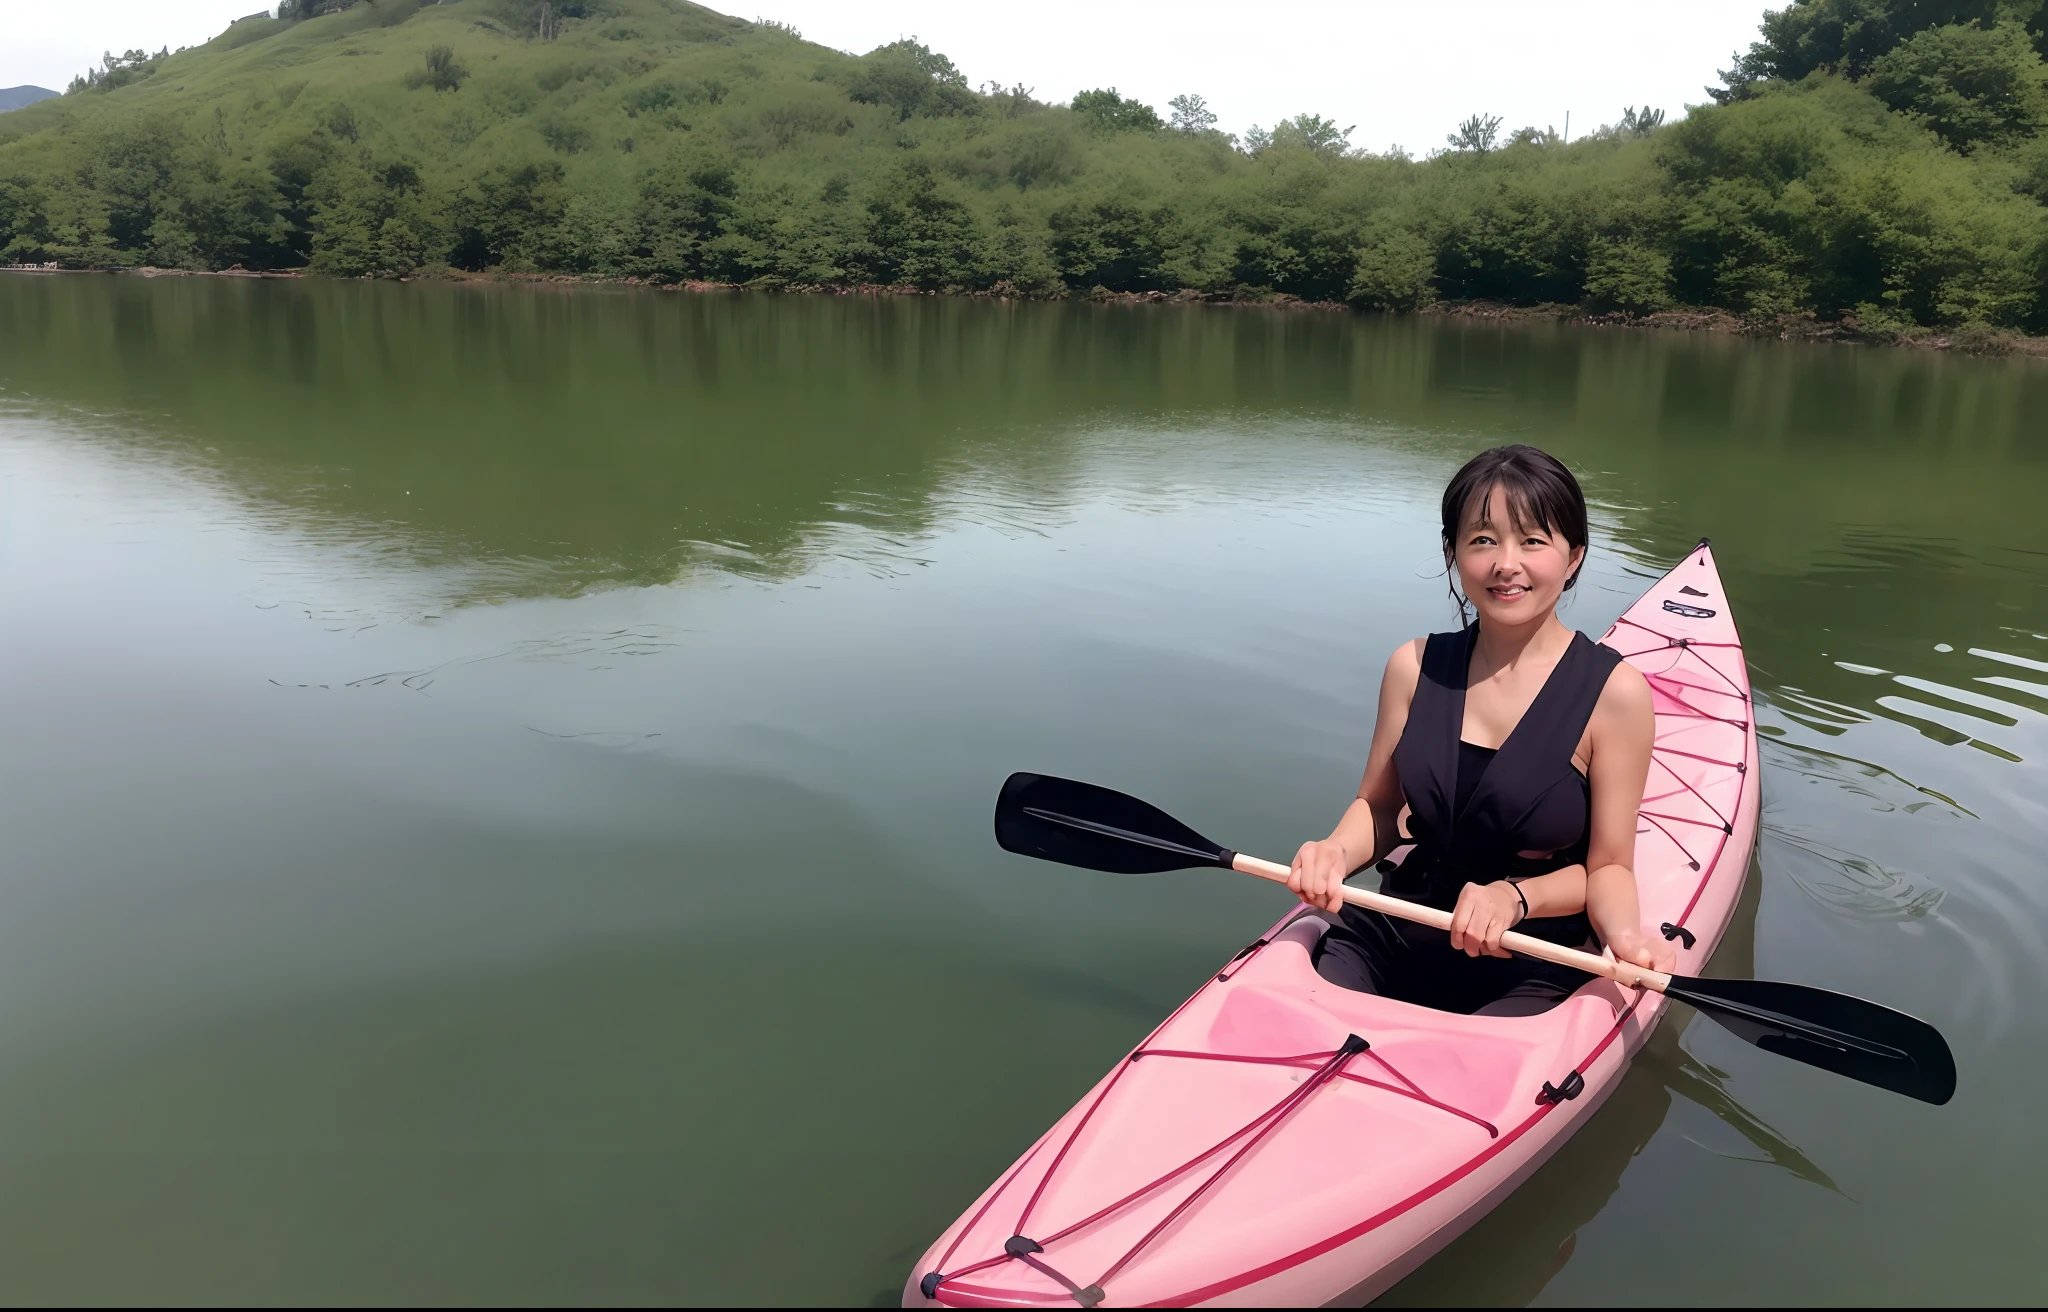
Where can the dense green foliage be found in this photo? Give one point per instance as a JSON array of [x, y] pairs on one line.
[[1883, 158]]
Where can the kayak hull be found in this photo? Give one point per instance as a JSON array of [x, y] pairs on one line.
[[1279, 1141]]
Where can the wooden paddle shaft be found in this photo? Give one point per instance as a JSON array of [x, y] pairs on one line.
[[1621, 972]]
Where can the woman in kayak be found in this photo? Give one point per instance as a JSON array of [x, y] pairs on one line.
[[1520, 749]]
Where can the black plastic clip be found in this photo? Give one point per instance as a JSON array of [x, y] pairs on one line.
[[1679, 932], [1574, 1085], [929, 1286], [1353, 1045], [1021, 1248], [1242, 953]]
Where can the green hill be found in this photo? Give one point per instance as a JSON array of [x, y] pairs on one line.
[[1877, 158]]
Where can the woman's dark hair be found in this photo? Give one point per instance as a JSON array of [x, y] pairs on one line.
[[1541, 493]]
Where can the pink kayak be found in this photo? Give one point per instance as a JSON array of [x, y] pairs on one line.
[[1251, 1153]]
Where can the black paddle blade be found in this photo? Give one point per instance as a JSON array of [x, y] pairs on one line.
[[1079, 824], [1836, 1033]]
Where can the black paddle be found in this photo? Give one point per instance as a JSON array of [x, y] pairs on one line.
[[1096, 828]]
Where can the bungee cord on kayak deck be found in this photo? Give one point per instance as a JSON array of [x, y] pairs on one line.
[[1326, 1065]]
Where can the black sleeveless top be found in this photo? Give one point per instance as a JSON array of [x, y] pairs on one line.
[[1472, 816]]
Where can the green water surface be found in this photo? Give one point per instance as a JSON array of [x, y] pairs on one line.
[[496, 779]]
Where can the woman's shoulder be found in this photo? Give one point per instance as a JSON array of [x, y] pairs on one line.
[[1406, 661], [1411, 656], [1626, 694], [1403, 672]]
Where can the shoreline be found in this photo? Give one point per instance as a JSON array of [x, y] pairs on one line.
[[1966, 339]]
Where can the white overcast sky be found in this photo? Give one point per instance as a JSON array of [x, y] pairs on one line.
[[1403, 72]]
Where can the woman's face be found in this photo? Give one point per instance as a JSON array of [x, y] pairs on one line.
[[1514, 576]]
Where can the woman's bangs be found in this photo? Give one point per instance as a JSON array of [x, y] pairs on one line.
[[1528, 506]]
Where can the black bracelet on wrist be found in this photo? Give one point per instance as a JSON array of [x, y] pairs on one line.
[[1516, 885]]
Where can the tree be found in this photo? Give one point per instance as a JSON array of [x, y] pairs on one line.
[[913, 79], [1104, 109], [1971, 85], [1313, 133], [1639, 122], [1479, 133], [117, 71], [292, 11], [1396, 270], [923, 237], [507, 216], [1191, 114], [1111, 243], [1013, 101], [1627, 276], [24, 222], [442, 72], [1843, 36]]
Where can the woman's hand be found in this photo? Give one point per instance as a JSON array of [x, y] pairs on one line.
[[1484, 913], [1317, 876], [1640, 949]]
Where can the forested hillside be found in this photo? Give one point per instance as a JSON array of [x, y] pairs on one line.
[[1884, 159]]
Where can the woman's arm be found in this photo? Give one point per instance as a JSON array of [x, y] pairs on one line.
[[1487, 911], [1367, 830], [1624, 730]]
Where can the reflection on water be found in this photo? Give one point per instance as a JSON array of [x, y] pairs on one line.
[[498, 777]]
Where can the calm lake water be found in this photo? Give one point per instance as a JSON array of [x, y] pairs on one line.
[[497, 780]]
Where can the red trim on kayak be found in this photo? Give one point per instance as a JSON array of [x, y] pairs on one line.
[[983, 1296], [1044, 1139], [1414, 1200], [1687, 785], [1352, 1047], [1307, 1060], [994, 1194], [1053, 1170], [1710, 760], [1704, 715], [1716, 823], [1263, 1122]]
